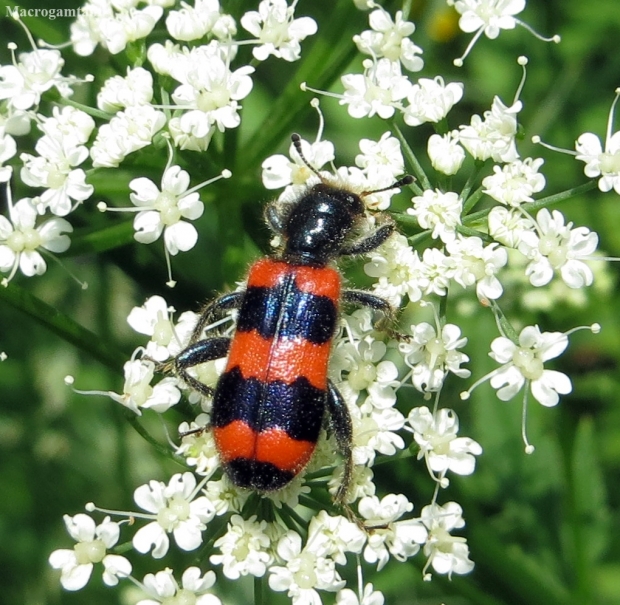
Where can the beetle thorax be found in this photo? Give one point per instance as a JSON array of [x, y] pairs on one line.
[[319, 223]]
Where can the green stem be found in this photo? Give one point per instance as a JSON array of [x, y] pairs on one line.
[[164, 450], [468, 205], [505, 326], [96, 113], [472, 200], [418, 171], [259, 592], [469, 232], [287, 511], [545, 202]]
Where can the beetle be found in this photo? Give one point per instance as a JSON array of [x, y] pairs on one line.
[[269, 404]]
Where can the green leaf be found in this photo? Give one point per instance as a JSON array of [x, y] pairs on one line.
[[64, 326], [518, 576], [589, 515], [101, 240]]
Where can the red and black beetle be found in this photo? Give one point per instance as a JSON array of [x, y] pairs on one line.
[[269, 404]]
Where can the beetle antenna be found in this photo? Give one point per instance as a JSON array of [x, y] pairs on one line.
[[406, 180], [296, 139]]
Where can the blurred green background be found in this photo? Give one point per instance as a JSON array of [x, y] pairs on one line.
[[541, 528]]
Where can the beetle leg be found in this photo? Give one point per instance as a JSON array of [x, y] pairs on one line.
[[370, 242], [199, 352], [274, 217], [232, 300], [343, 430], [366, 299]]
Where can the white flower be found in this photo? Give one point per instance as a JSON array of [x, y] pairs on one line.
[[440, 212], [378, 90], [191, 131], [489, 16], [368, 181], [153, 319], [277, 31], [92, 545], [175, 509], [163, 588], [601, 162], [447, 554], [68, 123], [86, 29], [164, 210], [23, 83], [360, 485], [224, 28], [431, 100], [516, 182], [381, 160], [244, 548], [111, 25], [225, 496], [164, 57], [401, 539], [138, 394], [358, 364], [198, 447], [436, 434], [507, 226], [525, 362], [305, 572], [445, 152], [21, 240], [194, 22], [210, 91], [280, 171], [54, 169], [335, 536], [361, 361], [431, 357], [8, 148], [557, 247], [182, 63], [134, 89], [398, 269], [437, 270], [493, 137], [374, 430], [128, 131], [390, 39], [370, 596], [477, 264]]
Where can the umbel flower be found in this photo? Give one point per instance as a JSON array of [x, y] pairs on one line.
[[175, 509], [462, 249], [93, 542], [21, 241]]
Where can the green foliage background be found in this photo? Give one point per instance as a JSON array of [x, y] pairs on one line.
[[542, 529]]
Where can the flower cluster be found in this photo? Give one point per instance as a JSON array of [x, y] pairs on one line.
[[206, 99], [180, 102]]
